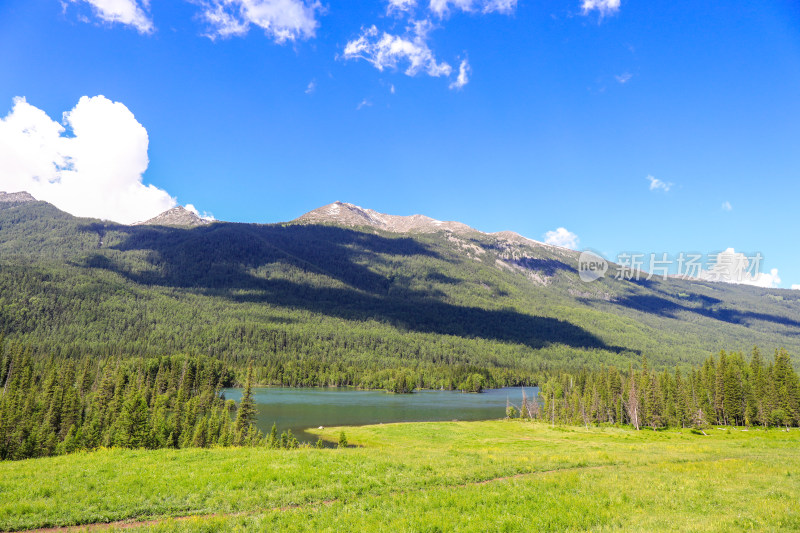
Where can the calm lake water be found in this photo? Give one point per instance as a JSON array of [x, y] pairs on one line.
[[300, 409]]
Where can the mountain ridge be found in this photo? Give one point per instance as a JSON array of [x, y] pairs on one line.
[[177, 216], [352, 215], [20, 197], [345, 298]]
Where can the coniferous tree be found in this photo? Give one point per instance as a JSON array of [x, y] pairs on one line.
[[246, 413]]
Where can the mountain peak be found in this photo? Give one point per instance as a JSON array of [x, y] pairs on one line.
[[177, 216], [353, 215], [20, 197]]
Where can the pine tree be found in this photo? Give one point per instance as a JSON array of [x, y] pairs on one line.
[[733, 395], [786, 388], [719, 388], [758, 390], [132, 426], [200, 437], [246, 414], [273, 441]]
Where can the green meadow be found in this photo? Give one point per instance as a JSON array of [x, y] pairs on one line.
[[436, 476]]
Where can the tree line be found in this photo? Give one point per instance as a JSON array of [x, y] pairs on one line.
[[55, 405], [52, 406], [725, 390]]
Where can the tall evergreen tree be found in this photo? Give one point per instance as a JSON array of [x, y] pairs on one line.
[[246, 413]]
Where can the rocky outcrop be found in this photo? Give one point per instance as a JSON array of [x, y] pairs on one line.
[[355, 216], [176, 217], [21, 197]]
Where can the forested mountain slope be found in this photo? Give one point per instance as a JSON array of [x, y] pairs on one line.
[[326, 301]]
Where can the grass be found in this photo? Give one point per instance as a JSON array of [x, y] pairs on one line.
[[438, 476]]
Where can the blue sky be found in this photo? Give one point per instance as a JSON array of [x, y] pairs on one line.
[[649, 126]]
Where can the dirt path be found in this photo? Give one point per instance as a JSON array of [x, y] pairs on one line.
[[130, 524]]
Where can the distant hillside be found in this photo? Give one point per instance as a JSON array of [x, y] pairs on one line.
[[346, 295]]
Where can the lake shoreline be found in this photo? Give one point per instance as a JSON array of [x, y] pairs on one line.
[[300, 409]]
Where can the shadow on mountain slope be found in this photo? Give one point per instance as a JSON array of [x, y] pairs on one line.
[[664, 307], [323, 269]]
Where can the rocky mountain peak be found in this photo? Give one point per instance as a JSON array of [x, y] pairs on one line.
[[177, 216], [20, 197], [353, 215]]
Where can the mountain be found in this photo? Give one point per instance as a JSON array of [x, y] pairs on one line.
[[178, 217], [354, 216], [345, 295], [16, 197]]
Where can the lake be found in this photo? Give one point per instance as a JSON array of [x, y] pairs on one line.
[[300, 409]]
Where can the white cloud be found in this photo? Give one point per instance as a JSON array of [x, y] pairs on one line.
[[388, 51], [223, 23], [766, 280], [282, 20], [796, 287], [735, 267], [128, 12], [312, 86], [442, 7], [726, 206], [205, 215], [464, 70], [94, 172], [400, 6], [562, 237], [411, 50], [364, 103], [605, 7], [624, 78], [658, 185]]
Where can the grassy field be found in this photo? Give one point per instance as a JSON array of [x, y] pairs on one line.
[[468, 476]]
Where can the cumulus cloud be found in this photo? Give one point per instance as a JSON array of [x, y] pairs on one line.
[[735, 267], [562, 237], [281, 20], [766, 280], [604, 7], [128, 12], [95, 170], [384, 50], [464, 70], [658, 185], [796, 287], [726, 206]]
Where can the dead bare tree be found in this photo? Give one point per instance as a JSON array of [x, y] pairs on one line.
[[632, 405], [529, 408], [699, 420], [584, 413]]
